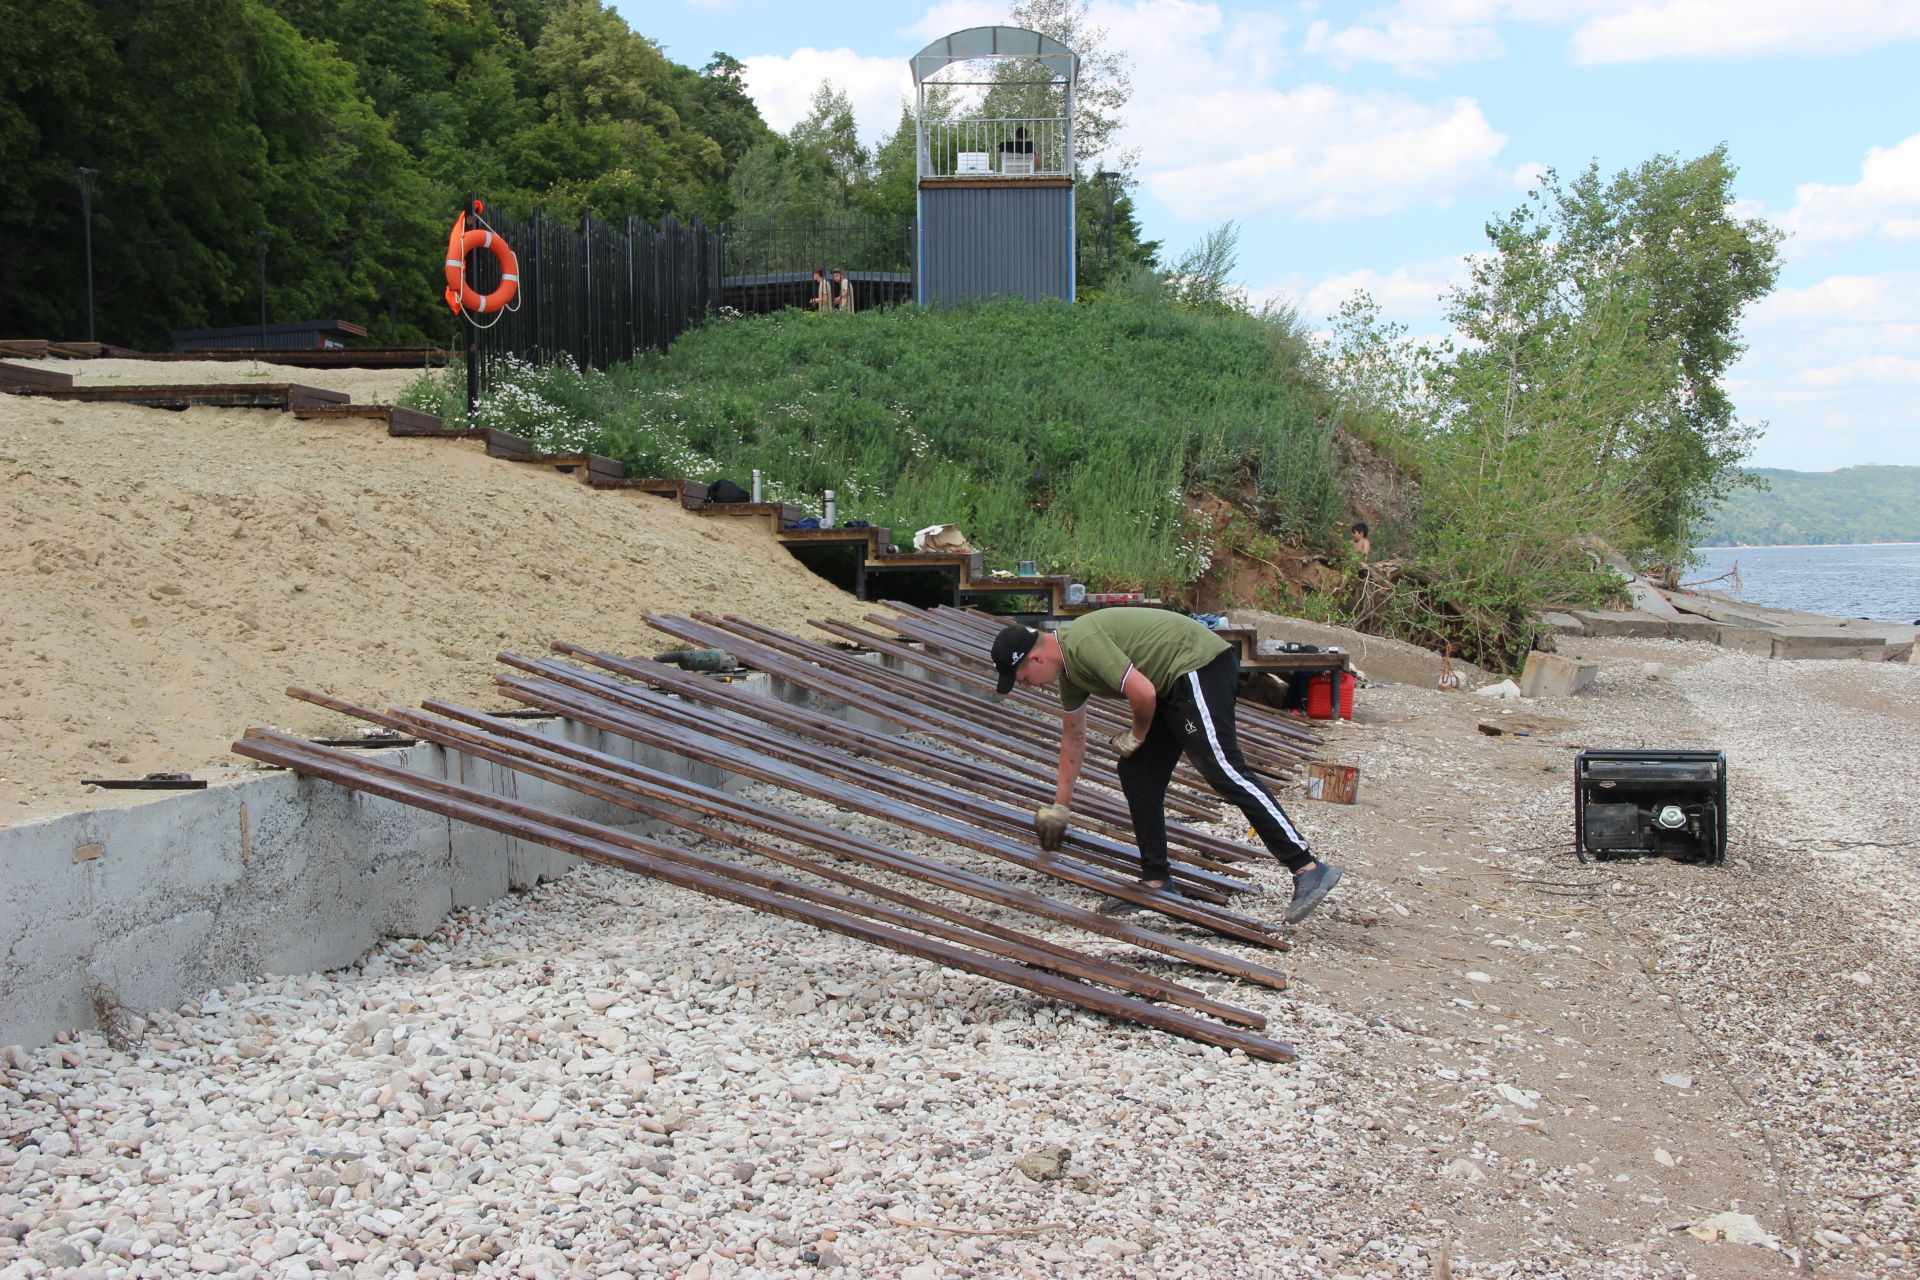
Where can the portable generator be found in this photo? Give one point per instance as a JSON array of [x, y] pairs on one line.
[[1669, 803]]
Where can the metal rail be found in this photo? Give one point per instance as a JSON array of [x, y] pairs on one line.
[[698, 808], [1102, 812], [963, 821], [775, 894]]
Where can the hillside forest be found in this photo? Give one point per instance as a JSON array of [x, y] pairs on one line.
[[1850, 505], [342, 136]]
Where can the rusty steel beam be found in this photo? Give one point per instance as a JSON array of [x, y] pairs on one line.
[[724, 805], [709, 812], [818, 765], [1101, 716], [715, 878], [650, 724], [1103, 812], [1017, 754], [993, 716], [931, 795]]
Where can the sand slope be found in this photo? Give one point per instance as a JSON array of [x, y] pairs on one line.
[[163, 577]]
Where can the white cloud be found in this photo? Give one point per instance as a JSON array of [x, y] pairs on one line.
[[1830, 365], [1743, 28], [1316, 151], [1863, 371], [1404, 293], [1527, 175], [1407, 45], [955, 15], [1849, 300], [1418, 35], [782, 86], [1886, 199]]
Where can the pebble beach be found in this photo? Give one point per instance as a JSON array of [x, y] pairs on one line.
[[1510, 1063]]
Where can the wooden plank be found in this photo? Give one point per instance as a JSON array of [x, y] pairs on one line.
[[611, 468], [402, 422], [21, 375], [262, 395], [564, 461], [502, 445], [300, 396], [29, 348], [76, 350]]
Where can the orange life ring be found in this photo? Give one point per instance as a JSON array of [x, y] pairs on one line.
[[461, 295]]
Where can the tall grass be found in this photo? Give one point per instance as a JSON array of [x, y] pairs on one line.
[[1072, 436]]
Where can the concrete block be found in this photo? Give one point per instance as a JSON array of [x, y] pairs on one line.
[[1621, 622], [1551, 675], [1827, 642], [1757, 641], [1564, 624], [155, 902], [1683, 628], [1648, 598]]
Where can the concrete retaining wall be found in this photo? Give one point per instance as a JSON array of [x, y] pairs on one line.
[[150, 905]]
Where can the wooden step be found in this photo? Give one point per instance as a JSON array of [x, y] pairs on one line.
[[23, 375], [76, 350], [283, 396], [400, 422]]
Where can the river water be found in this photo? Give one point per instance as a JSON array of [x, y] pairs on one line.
[[1881, 581]]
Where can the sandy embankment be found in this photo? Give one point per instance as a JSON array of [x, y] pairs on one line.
[[164, 576]]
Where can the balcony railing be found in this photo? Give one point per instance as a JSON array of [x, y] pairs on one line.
[[1012, 148]]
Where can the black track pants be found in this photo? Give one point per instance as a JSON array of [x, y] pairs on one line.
[[1196, 716]]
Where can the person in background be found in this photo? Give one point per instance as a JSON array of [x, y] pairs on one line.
[[1362, 540], [1179, 681], [842, 292], [822, 299]]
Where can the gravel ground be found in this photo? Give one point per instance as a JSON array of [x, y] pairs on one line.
[[1510, 1064]]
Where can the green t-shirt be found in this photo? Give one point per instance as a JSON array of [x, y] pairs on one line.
[[1102, 647]]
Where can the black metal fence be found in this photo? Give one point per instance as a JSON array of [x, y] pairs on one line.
[[596, 293], [770, 265]]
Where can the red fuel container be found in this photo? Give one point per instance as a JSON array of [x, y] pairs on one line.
[[1320, 696]]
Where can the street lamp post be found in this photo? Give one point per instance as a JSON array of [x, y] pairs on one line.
[[1109, 182], [263, 236], [86, 218]]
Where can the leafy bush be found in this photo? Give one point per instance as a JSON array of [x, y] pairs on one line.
[[1072, 436]]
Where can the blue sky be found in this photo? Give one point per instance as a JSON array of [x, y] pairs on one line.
[[1363, 145]]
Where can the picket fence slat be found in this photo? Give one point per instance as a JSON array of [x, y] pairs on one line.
[[596, 294]]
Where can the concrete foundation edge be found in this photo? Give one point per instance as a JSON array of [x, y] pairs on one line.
[[147, 906]]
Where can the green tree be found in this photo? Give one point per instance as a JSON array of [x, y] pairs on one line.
[[1608, 313], [1104, 86], [818, 170], [1583, 397]]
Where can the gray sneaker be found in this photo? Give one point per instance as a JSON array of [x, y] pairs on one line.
[[1309, 887], [1124, 907]]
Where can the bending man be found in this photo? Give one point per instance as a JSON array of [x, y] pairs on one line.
[[1178, 679]]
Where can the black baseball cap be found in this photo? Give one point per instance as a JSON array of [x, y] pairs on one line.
[[1009, 648]]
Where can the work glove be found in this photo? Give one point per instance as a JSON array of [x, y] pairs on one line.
[[1050, 824], [1125, 743]]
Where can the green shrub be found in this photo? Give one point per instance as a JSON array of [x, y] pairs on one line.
[[1072, 436]]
